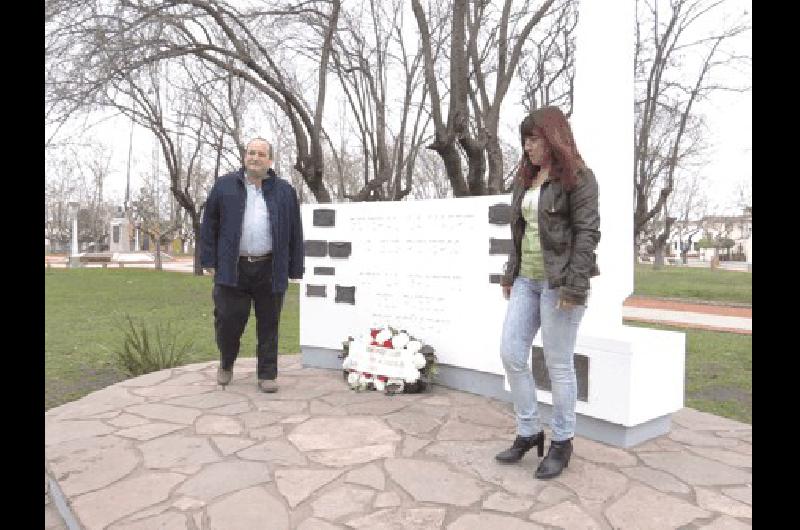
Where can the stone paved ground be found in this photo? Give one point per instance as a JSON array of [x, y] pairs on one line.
[[173, 450]]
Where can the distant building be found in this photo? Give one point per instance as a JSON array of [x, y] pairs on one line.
[[738, 228]]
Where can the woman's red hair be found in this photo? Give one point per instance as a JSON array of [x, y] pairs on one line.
[[551, 123]]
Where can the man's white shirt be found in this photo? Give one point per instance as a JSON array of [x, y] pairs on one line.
[[256, 230]]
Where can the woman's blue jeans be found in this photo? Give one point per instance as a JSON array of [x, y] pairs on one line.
[[532, 305]]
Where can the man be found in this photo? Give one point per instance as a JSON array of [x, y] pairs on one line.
[[251, 237]]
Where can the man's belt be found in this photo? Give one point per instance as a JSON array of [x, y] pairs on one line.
[[256, 258]]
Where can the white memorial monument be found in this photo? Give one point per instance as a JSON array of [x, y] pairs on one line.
[[432, 268], [120, 238]]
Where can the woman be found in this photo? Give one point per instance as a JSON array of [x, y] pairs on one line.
[[554, 225]]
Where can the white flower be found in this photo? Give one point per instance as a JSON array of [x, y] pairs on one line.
[[406, 355], [380, 386], [400, 340], [383, 336], [352, 379], [411, 375], [419, 361], [414, 346]]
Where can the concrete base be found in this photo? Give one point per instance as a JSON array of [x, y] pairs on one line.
[[321, 357], [491, 385], [75, 262]]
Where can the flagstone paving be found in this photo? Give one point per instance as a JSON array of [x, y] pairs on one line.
[[173, 450]]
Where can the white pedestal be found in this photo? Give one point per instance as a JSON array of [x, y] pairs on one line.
[[426, 266], [430, 267]]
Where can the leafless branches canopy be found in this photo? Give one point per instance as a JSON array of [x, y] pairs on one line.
[[485, 49], [95, 44], [675, 66], [420, 88]]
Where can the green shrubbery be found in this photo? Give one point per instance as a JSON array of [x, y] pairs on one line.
[[144, 350]]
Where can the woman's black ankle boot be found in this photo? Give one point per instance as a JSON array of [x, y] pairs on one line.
[[522, 444], [556, 460]]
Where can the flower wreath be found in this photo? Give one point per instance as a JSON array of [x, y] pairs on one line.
[[422, 358]]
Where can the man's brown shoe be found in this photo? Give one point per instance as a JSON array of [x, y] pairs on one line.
[[224, 376], [268, 385]]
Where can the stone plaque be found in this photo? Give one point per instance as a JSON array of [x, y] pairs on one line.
[[315, 290], [316, 249], [542, 376], [324, 217], [340, 249], [345, 295], [500, 214], [500, 246]]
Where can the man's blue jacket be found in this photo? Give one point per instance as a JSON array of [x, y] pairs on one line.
[[221, 229]]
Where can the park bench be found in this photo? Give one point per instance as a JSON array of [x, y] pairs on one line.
[[96, 257]]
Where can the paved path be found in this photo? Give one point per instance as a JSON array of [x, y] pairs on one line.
[[172, 450], [687, 314]]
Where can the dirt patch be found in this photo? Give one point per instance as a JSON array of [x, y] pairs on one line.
[[725, 394], [77, 382]]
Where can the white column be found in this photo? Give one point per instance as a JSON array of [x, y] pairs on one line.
[[74, 260], [603, 122], [74, 250]]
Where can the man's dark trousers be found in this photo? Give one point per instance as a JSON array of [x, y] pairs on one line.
[[232, 309]]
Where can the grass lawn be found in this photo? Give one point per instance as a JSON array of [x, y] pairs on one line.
[[719, 372], [694, 283], [85, 307]]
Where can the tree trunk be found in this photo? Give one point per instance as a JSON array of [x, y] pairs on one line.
[[494, 157], [312, 175], [476, 164], [158, 266], [658, 261], [452, 165]]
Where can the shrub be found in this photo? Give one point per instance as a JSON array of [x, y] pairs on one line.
[[144, 351]]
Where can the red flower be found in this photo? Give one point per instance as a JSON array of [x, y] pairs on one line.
[[383, 378], [367, 375], [374, 332], [374, 343], [387, 343]]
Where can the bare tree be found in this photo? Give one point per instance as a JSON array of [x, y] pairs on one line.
[[61, 188], [147, 99], [679, 219], [150, 212], [690, 203], [93, 43], [93, 167], [467, 59], [368, 54], [743, 195], [547, 67], [667, 123]]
